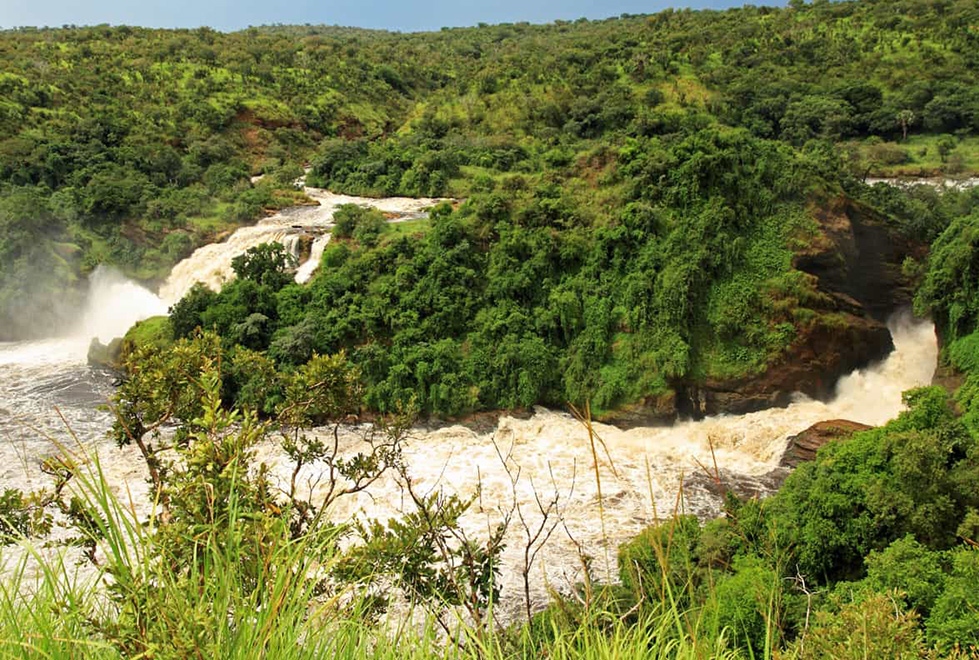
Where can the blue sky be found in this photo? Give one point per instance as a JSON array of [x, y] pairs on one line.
[[387, 14]]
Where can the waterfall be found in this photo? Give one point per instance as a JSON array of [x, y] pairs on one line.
[[47, 384], [545, 456], [291, 243], [113, 305], [641, 469], [306, 270], [40, 376], [211, 264]]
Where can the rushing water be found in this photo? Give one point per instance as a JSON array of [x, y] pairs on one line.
[[939, 183], [48, 386], [211, 264], [548, 457]]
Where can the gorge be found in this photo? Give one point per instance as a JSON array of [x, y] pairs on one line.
[[513, 461]]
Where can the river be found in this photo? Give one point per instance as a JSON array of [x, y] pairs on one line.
[[518, 462], [939, 183]]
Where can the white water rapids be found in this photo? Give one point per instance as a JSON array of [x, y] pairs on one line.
[[211, 264], [549, 456], [939, 183], [546, 457]]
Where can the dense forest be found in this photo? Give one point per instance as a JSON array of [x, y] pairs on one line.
[[651, 213]]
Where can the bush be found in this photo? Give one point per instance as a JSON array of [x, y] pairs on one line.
[[156, 332], [872, 627], [749, 604], [185, 314], [954, 619], [661, 564], [950, 293], [913, 476], [361, 223], [268, 264], [908, 568], [887, 153]]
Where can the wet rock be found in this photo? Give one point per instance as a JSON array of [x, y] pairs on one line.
[[651, 411], [105, 355], [948, 377], [305, 247], [704, 493], [826, 350], [859, 255], [803, 446]]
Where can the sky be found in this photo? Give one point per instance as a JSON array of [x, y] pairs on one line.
[[405, 16]]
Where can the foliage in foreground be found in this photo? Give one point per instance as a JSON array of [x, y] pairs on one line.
[[862, 552], [880, 528]]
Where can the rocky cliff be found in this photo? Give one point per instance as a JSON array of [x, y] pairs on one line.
[[854, 262]]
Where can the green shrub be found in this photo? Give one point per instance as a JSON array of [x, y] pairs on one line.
[[908, 568], [871, 627], [749, 604], [156, 331], [661, 564], [950, 292], [954, 619], [361, 223], [912, 476]]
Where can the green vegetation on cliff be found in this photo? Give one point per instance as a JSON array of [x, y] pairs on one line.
[[523, 298], [134, 145]]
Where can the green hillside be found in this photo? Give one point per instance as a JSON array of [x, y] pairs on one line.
[[130, 146]]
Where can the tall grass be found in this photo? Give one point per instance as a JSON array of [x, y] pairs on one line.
[[140, 603], [39, 615], [138, 607]]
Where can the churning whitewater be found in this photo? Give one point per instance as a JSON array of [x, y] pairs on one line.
[[211, 264], [547, 459]]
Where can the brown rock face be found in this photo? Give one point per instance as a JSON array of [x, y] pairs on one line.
[[704, 493], [652, 411], [826, 350], [855, 261], [803, 446], [858, 256]]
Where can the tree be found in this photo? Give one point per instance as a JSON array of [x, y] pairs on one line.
[[362, 223], [185, 314], [268, 264], [946, 145], [954, 620], [905, 118]]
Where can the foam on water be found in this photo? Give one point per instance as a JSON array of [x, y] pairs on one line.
[[546, 457], [308, 268], [49, 390], [549, 455]]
